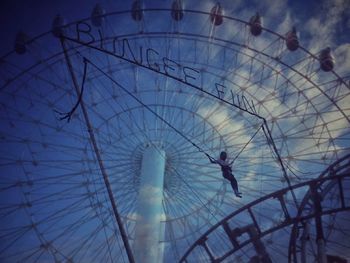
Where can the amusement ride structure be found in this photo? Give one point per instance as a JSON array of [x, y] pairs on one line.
[[108, 124]]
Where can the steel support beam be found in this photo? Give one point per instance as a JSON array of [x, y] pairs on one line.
[[98, 154]]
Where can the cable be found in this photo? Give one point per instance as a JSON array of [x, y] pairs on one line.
[[170, 125], [247, 143], [68, 115], [98, 156], [148, 108]]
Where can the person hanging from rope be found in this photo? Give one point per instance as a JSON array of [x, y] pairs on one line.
[[226, 171]]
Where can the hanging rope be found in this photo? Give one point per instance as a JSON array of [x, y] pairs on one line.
[[241, 149], [68, 115], [234, 159], [278, 157]]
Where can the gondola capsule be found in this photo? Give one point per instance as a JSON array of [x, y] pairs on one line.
[[177, 12], [292, 41], [58, 26], [255, 24], [216, 15], [21, 42], [326, 59], [97, 15], [136, 10]]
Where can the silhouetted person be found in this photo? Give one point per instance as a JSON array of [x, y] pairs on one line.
[[227, 171]]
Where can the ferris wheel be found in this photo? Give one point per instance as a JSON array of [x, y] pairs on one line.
[[107, 124]]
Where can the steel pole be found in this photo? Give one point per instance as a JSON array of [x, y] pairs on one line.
[[98, 155]]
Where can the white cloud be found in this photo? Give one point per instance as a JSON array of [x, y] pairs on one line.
[[286, 25], [323, 28], [272, 8], [225, 124], [342, 58]]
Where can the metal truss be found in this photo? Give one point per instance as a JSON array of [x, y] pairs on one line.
[[317, 191]]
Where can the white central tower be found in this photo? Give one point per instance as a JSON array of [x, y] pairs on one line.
[[148, 230]]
